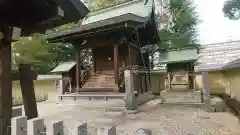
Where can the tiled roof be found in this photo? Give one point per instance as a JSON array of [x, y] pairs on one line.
[[177, 56], [64, 67], [218, 56], [49, 77], [135, 10], [136, 7]]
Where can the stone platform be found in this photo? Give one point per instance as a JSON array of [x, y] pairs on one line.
[[183, 97]]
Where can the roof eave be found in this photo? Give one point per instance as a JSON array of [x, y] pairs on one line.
[[97, 25]]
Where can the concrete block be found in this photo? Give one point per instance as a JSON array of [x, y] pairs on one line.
[[55, 128], [111, 130], [218, 104], [142, 131], [81, 129], [19, 125], [35, 126]]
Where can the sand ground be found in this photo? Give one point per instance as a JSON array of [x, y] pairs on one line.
[[162, 119]]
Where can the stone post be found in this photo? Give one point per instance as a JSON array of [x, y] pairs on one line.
[[81, 129], [35, 126], [107, 131], [142, 131], [55, 128], [19, 125], [206, 91], [130, 100], [61, 85]]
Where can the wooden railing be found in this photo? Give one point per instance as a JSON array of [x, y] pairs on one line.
[[85, 74]]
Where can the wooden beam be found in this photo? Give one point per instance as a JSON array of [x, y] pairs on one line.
[[116, 63], [134, 46], [28, 93], [129, 55], [5, 83], [32, 75], [77, 55], [93, 61]]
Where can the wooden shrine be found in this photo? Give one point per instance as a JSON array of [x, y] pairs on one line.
[[115, 35], [180, 67], [29, 16]]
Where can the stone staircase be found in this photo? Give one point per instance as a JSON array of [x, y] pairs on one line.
[[101, 81]]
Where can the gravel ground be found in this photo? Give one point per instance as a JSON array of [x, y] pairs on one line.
[[162, 119]]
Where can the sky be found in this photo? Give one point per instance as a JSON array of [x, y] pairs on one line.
[[214, 26]]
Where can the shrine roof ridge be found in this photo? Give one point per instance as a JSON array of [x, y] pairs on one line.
[[137, 11]]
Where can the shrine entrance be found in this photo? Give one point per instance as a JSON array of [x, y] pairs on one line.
[[180, 76]]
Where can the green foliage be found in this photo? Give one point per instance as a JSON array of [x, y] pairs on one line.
[[101, 4], [42, 55], [30, 50], [61, 28], [179, 25], [231, 9]]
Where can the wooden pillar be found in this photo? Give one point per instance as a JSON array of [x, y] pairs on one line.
[[5, 83], [116, 63], [129, 55], [93, 62], [206, 91], [77, 68], [28, 93]]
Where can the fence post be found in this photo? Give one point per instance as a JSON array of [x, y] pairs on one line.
[[35, 126], [142, 131], [81, 129], [111, 130], [19, 125], [55, 128], [130, 101]]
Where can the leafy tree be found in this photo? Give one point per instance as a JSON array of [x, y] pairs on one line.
[[178, 20], [61, 28], [231, 9], [101, 4], [42, 55]]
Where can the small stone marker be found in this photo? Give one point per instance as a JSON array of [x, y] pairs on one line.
[[19, 125], [55, 128], [35, 126], [142, 131], [111, 130], [81, 129]]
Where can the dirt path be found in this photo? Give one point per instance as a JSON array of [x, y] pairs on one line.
[[162, 119]]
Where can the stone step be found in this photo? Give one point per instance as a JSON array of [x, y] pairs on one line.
[[87, 84], [109, 86], [86, 89], [94, 77], [110, 77], [109, 82]]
